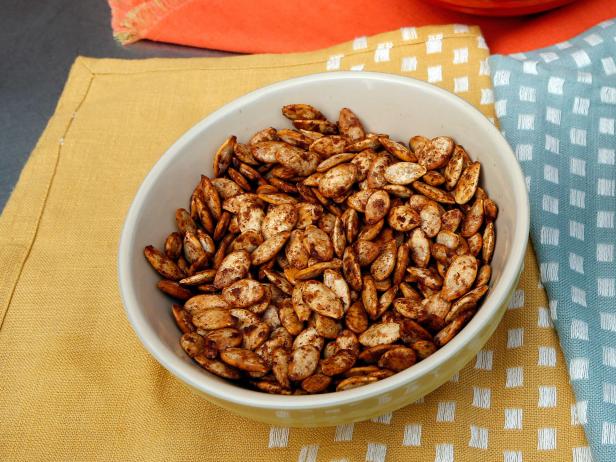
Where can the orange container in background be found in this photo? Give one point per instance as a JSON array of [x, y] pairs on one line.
[[501, 7]]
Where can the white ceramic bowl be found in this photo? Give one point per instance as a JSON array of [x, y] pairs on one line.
[[385, 103]]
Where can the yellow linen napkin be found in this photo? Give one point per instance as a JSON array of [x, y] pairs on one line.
[[75, 383]]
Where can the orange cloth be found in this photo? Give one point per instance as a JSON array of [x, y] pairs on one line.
[[284, 26]]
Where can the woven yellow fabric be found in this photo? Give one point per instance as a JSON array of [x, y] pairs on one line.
[[75, 384]]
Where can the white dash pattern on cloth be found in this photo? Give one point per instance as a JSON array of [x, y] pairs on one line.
[[561, 107]]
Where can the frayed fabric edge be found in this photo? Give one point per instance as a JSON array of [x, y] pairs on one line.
[[132, 19]]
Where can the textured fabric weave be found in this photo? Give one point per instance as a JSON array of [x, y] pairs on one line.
[[77, 385], [557, 108], [280, 27]]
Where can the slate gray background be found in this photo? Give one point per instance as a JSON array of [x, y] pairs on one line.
[[39, 39]]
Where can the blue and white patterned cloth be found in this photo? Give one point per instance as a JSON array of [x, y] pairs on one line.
[[557, 109]]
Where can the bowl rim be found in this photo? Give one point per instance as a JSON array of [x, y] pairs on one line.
[[244, 397]]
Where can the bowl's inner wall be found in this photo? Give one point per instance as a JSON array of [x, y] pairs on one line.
[[401, 110]]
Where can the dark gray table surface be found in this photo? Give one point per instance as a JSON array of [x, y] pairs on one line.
[[39, 40]]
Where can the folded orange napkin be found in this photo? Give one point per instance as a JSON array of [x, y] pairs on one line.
[[278, 26]]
